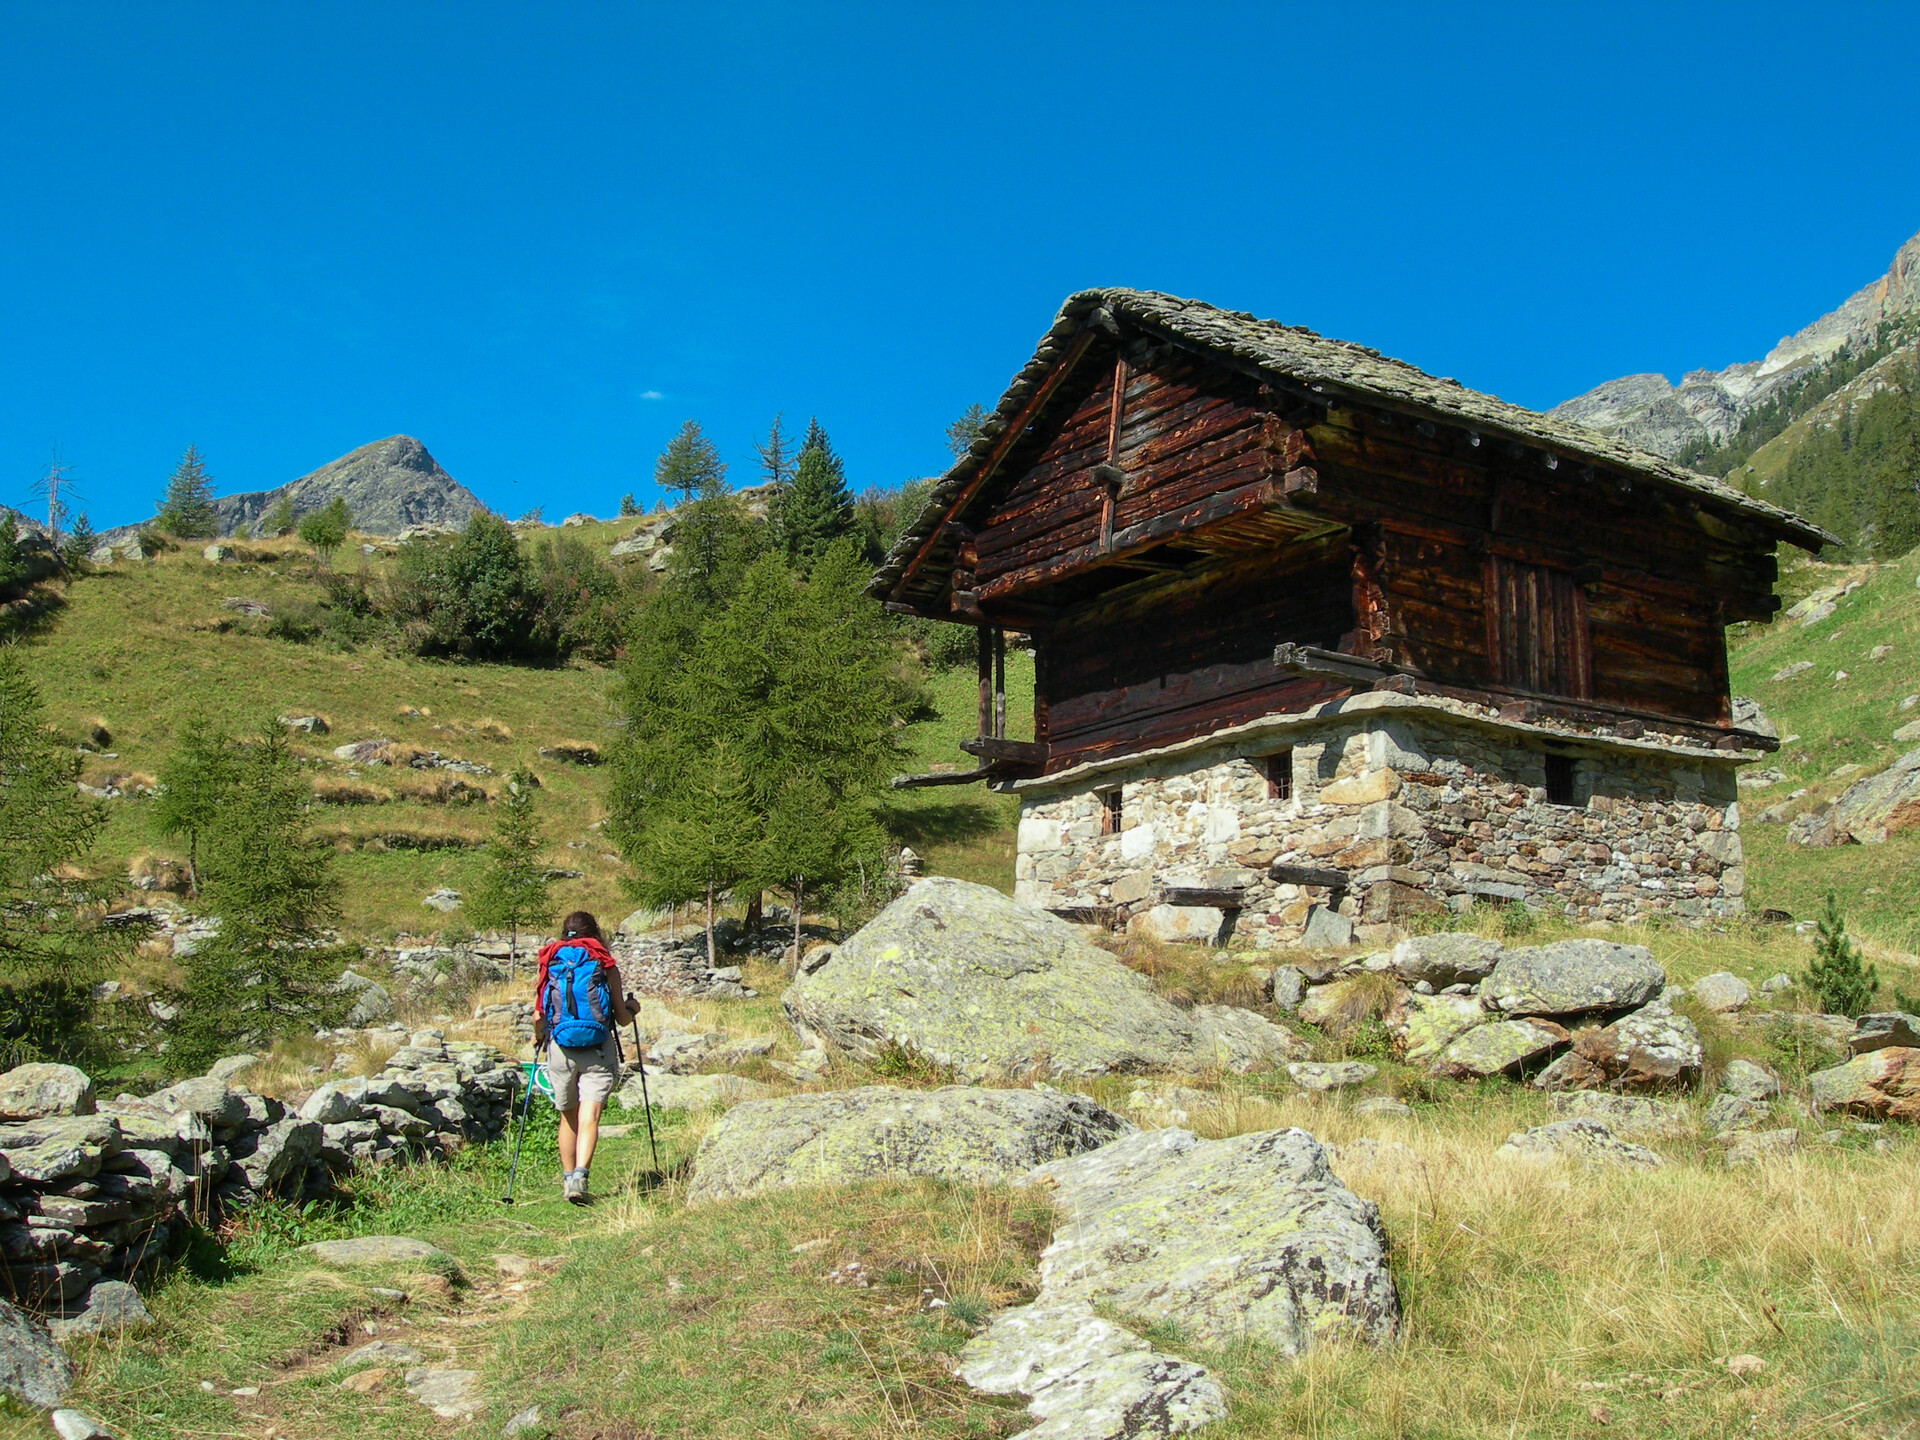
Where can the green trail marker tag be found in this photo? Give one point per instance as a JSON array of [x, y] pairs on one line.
[[537, 1078]]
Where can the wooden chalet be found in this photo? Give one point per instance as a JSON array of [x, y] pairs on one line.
[[1218, 533]]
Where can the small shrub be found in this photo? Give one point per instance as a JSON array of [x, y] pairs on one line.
[[900, 1062], [1837, 977]]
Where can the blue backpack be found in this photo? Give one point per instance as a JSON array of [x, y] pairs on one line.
[[577, 1002]]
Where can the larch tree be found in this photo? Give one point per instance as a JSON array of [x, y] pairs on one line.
[[194, 783], [187, 509], [55, 942], [514, 892]]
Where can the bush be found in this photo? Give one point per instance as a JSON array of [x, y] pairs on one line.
[[584, 605], [472, 596]]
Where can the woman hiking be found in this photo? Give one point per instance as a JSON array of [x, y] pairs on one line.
[[579, 999]]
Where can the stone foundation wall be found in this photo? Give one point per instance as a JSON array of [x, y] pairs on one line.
[[1419, 809]]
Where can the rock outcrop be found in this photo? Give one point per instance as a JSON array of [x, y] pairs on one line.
[[836, 1137], [1882, 1084], [1572, 977], [1867, 811], [962, 975]]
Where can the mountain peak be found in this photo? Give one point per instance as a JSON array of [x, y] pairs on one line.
[[389, 485]]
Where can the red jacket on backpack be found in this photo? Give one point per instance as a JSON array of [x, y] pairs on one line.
[[593, 947]]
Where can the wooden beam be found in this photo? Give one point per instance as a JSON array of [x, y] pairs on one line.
[[944, 777], [1218, 899], [1000, 750], [1282, 872]]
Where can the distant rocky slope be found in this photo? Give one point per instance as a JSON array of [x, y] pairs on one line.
[[1708, 405], [389, 485]]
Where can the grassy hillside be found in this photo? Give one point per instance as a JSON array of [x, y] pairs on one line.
[[1835, 723]]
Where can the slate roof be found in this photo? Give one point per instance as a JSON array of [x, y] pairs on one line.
[[1338, 369]]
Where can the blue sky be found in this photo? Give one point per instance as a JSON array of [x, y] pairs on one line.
[[539, 237]]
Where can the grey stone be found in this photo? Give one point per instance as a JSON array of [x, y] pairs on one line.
[[36, 1091], [1631, 1116], [212, 1100], [1774, 984], [1086, 1378], [691, 1092], [1868, 810], [32, 1368], [109, 1307], [59, 1147], [1732, 1112], [371, 1004], [282, 1152], [963, 975], [384, 1352], [520, 1420], [1446, 959], [1754, 1147], [78, 1425], [955, 1133], [1241, 1041], [1498, 1048], [450, 1394], [377, 1250], [232, 1067], [334, 1104], [1326, 927], [1331, 1075], [1749, 1081], [443, 900], [1572, 977], [1884, 1028], [1251, 1238], [1383, 1105], [1722, 993], [1287, 987], [1433, 1022], [1587, 1141]]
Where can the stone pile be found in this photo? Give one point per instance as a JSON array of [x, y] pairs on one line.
[[94, 1194], [654, 965], [1571, 1015]]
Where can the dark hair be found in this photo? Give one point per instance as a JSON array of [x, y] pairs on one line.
[[579, 925]]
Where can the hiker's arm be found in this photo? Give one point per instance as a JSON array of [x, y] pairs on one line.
[[621, 1014]]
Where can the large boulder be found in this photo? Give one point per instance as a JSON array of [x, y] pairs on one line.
[[1587, 1141], [1433, 1022], [1652, 1048], [32, 1368], [1501, 1047], [1883, 1084], [961, 974], [1445, 959], [1883, 1029], [32, 1092], [1572, 977], [690, 1092], [1086, 1378], [60, 1147], [1251, 1238], [953, 1133], [1869, 810]]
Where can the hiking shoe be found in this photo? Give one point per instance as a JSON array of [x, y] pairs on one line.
[[574, 1186]]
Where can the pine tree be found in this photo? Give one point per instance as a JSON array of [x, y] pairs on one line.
[[187, 510], [54, 942], [628, 505], [326, 529], [1836, 976], [514, 891], [963, 432], [776, 456], [195, 783], [817, 509], [691, 466], [77, 550], [269, 968]]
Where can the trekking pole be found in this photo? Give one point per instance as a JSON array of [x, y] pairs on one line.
[[640, 1063], [513, 1170]]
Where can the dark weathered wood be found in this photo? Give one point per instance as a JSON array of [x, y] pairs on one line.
[[1013, 752], [1283, 872], [944, 777], [1218, 899]]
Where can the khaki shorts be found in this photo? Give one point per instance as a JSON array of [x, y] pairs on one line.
[[582, 1075]]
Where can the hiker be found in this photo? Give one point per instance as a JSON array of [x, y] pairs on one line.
[[579, 999]]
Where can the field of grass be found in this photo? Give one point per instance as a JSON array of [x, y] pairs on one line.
[[1539, 1300]]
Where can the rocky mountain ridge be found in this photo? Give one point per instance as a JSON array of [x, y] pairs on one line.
[[390, 485], [1649, 411]]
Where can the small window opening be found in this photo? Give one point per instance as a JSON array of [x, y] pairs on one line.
[[1110, 812], [1559, 779], [1279, 769]]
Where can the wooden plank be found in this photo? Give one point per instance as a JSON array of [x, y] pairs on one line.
[[1217, 899], [1283, 872], [999, 748]]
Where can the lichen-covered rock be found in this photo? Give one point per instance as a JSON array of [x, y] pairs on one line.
[[32, 1368], [1869, 810], [1087, 1379], [278, 1153], [955, 1133], [963, 975], [1728, 1113], [1446, 959], [1884, 1029], [378, 1250], [108, 1308], [1241, 1041], [690, 1092], [1755, 1147], [1882, 1084], [214, 1101], [1749, 1081], [59, 1147], [1498, 1048], [1722, 992], [1572, 977], [33, 1092], [1587, 1141], [1628, 1115], [1435, 1021], [1247, 1238], [1653, 1048], [1331, 1074]]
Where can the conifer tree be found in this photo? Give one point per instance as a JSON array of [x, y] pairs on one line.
[[691, 466], [77, 550], [696, 839], [708, 531], [195, 782], [54, 942], [628, 505], [776, 455], [817, 509], [963, 432], [1836, 976], [514, 892], [187, 510], [279, 520], [269, 968]]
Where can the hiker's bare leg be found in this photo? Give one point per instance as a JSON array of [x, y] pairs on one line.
[[588, 1129], [569, 1129]]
